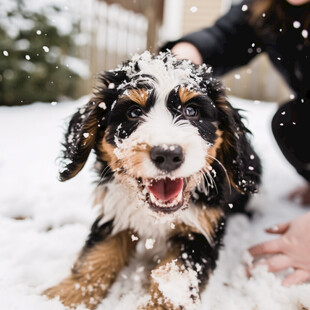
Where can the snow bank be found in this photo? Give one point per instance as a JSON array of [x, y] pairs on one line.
[[44, 223]]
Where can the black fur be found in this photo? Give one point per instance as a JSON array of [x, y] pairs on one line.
[[196, 252], [98, 233], [236, 170]]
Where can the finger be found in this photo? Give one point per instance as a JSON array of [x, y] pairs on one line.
[[268, 247], [276, 263], [278, 229], [305, 199], [294, 194], [297, 277]]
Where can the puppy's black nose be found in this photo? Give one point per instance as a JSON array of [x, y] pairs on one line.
[[167, 157]]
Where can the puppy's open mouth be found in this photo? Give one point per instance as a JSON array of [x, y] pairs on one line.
[[166, 195]]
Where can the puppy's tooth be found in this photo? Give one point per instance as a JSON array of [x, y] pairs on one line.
[[153, 198]]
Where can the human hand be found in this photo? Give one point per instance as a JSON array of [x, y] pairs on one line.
[[291, 249], [185, 50], [302, 194]]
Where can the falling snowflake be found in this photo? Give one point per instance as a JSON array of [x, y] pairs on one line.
[[134, 238], [5, 53], [244, 8], [149, 244], [237, 76], [46, 49], [194, 9], [296, 24], [102, 105], [304, 33], [140, 269], [185, 256]]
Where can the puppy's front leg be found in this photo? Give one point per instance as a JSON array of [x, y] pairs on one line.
[[178, 279], [95, 270]]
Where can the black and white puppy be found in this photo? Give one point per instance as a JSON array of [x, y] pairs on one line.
[[172, 157]]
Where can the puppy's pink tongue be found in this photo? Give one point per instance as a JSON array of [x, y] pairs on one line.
[[166, 189]]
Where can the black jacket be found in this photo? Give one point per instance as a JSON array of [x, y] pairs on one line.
[[233, 42]]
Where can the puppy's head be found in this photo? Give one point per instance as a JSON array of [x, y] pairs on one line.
[[158, 124]]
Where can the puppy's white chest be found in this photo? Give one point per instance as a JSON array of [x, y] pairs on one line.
[[127, 211]]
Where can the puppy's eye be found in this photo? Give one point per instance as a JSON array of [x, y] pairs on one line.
[[191, 112], [135, 113]]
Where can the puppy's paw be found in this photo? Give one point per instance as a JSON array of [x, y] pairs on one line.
[[155, 306], [72, 294], [159, 302], [173, 287], [160, 307]]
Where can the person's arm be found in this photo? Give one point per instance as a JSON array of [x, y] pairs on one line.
[[229, 44]]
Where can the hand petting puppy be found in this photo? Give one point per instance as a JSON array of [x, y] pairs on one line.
[[290, 250]]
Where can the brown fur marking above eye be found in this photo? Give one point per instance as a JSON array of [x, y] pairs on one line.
[[139, 96], [186, 95]]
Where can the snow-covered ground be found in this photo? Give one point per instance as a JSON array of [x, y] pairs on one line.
[[44, 223]]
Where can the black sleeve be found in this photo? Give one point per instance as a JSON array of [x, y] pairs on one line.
[[230, 43]]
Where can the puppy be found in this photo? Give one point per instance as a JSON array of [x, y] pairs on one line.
[[172, 157]]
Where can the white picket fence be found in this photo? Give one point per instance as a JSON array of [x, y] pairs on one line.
[[109, 35]]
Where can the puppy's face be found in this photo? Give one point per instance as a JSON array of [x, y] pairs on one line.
[[161, 133], [158, 124]]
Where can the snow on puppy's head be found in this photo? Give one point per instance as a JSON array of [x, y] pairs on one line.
[[156, 124]]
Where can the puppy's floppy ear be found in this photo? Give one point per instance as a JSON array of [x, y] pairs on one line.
[[87, 125], [79, 140], [236, 154]]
